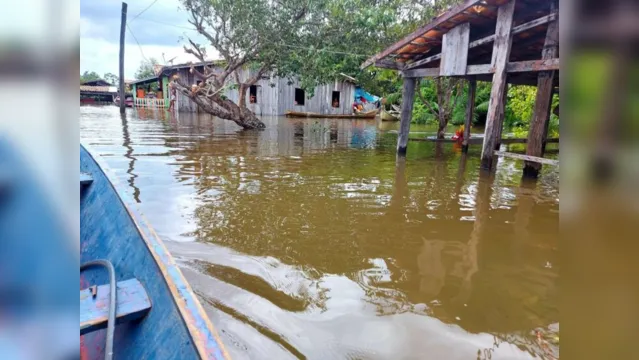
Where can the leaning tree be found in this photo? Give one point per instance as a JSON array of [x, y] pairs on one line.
[[260, 35]]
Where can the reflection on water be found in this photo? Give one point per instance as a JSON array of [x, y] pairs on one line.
[[311, 240]]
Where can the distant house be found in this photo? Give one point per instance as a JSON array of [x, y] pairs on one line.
[[97, 92], [269, 96]]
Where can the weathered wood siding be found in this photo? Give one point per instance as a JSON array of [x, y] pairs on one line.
[[275, 96], [320, 102], [267, 95], [455, 51]]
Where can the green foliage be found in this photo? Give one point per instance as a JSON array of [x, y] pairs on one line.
[[520, 106], [145, 70], [112, 79], [316, 42], [89, 76]]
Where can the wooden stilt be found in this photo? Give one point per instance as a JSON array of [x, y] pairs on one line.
[[547, 125], [543, 100], [499, 128], [470, 110], [501, 53], [408, 97]]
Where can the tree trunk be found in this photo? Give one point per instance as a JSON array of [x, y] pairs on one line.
[[227, 110], [441, 130], [248, 120]]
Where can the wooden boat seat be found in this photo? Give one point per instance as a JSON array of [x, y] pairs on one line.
[[85, 179], [132, 303]]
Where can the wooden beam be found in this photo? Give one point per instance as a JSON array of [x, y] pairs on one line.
[[386, 64], [484, 69], [133, 303], [479, 69], [85, 179], [418, 73], [533, 65], [528, 158], [408, 97], [488, 39], [501, 53], [421, 31], [455, 51], [470, 110], [543, 100]]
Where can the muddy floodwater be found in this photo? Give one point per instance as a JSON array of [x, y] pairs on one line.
[[310, 240]]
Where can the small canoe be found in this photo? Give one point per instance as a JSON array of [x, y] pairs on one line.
[[366, 115], [157, 314], [386, 116]]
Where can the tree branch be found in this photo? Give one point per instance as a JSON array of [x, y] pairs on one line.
[[423, 100]]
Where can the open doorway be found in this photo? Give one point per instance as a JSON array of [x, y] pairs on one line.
[[335, 99], [299, 97], [253, 94]]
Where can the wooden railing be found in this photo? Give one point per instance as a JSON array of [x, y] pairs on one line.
[[151, 103]]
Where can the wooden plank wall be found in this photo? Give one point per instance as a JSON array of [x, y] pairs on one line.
[[455, 51], [275, 96], [321, 100]]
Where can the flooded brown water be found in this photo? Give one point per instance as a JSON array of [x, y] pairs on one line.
[[309, 240]]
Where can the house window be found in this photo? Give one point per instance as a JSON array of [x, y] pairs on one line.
[[335, 99], [253, 94], [299, 97]]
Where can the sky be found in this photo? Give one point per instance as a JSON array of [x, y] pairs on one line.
[[158, 31]]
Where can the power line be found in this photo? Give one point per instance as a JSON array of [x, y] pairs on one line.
[[328, 51], [136, 40], [142, 12], [168, 24]]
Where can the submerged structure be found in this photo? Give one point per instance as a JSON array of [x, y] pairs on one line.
[[269, 96], [501, 41]]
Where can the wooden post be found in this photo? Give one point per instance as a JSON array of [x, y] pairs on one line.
[[408, 96], [470, 110], [122, 33], [501, 53], [543, 100], [546, 126], [499, 128]]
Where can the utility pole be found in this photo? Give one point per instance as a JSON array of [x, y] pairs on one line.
[[122, 28]]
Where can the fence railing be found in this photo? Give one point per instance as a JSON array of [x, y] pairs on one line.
[[151, 103]]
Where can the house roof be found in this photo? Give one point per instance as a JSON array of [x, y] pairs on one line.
[[98, 82], [98, 89], [189, 64], [422, 48], [144, 81]]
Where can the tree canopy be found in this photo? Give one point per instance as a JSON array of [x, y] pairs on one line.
[[89, 76], [315, 41], [146, 69]]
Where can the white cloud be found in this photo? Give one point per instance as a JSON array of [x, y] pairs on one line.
[[102, 56], [99, 34]]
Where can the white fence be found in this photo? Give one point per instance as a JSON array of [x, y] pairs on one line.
[[151, 103]]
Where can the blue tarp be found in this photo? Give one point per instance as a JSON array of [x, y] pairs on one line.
[[359, 93]]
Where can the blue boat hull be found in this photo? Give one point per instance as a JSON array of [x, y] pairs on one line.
[[111, 228]]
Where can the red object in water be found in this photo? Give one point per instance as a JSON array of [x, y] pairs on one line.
[[459, 135]]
